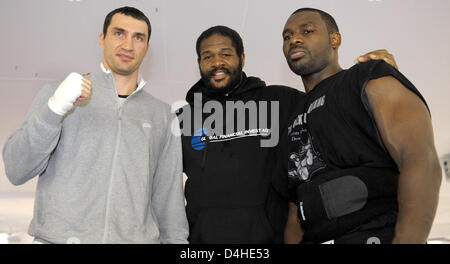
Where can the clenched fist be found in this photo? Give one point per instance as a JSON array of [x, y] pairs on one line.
[[73, 88]]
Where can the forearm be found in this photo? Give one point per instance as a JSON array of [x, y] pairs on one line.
[[418, 196], [26, 152], [170, 211], [169, 208], [293, 232], [168, 198]]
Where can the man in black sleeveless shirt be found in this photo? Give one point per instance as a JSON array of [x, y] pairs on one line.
[[362, 165]]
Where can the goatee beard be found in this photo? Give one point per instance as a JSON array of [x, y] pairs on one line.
[[303, 69]]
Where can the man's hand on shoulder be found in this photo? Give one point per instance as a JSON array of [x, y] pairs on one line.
[[380, 54]]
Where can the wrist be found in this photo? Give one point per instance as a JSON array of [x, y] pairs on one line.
[[409, 238], [58, 106]]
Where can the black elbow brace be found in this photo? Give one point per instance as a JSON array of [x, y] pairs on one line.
[[335, 203]]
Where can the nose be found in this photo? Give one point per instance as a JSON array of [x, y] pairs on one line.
[[296, 40], [128, 44], [217, 62]]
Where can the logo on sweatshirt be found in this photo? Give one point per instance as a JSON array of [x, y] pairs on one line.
[[196, 142], [229, 120]]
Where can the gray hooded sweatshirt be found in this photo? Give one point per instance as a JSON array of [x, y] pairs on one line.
[[107, 173]]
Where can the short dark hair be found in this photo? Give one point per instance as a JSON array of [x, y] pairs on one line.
[[327, 18], [236, 40], [128, 11]]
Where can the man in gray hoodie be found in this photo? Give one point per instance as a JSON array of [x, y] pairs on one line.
[[110, 170]]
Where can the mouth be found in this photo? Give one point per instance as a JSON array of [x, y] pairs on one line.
[[125, 58], [296, 54], [219, 75]]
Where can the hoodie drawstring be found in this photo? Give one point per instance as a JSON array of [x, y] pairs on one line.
[[205, 153]]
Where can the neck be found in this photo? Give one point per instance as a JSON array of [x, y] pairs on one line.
[[310, 81], [125, 84]]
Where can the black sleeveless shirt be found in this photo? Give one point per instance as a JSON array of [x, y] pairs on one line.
[[334, 131]]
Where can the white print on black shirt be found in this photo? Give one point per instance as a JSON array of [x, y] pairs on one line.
[[265, 132], [231, 117], [301, 119], [304, 160]]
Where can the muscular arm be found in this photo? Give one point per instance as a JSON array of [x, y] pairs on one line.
[[405, 127], [293, 232]]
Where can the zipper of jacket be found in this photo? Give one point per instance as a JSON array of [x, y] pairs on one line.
[[113, 167], [116, 150]]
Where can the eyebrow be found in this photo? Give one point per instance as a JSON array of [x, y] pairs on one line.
[[118, 29], [286, 31], [123, 30], [301, 26], [223, 49], [307, 24], [226, 49]]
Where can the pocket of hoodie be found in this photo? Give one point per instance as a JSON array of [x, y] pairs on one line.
[[195, 233], [245, 225]]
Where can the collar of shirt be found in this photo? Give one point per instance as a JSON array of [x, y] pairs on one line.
[[141, 82]]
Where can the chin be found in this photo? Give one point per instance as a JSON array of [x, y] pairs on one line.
[[299, 69], [218, 87], [125, 71]]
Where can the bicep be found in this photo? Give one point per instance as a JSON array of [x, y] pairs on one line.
[[401, 117]]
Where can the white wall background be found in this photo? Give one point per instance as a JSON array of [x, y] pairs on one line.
[[43, 40]]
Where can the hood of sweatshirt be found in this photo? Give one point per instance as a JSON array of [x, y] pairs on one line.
[[247, 84]]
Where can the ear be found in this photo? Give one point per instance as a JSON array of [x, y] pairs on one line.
[[243, 60], [101, 40], [335, 40]]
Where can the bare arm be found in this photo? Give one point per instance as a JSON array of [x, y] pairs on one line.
[[405, 128], [293, 232]]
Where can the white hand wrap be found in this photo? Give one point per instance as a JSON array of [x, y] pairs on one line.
[[66, 94]]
